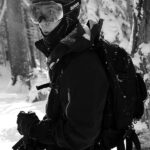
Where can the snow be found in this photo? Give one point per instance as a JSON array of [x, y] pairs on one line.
[[146, 76], [39, 77], [12, 101], [143, 134], [111, 29], [91, 9], [135, 2], [136, 60], [10, 106], [140, 126], [145, 48]]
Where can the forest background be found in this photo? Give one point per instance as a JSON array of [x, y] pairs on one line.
[[125, 22]]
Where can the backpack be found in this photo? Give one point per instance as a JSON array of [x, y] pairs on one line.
[[125, 101]]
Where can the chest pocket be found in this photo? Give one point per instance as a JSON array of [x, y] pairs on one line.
[[58, 99]]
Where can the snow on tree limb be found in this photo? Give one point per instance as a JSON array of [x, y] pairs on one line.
[[3, 9], [145, 48]]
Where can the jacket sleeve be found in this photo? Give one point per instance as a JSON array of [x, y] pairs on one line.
[[85, 87]]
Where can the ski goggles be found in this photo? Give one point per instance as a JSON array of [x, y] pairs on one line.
[[50, 11]]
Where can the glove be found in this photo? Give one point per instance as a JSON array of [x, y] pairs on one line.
[[28, 144], [25, 121], [32, 144]]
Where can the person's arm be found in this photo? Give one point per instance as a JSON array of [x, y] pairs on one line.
[[86, 94]]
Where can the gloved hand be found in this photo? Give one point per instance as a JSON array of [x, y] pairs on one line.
[[26, 143], [25, 121]]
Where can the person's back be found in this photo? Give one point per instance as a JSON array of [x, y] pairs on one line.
[[79, 86]]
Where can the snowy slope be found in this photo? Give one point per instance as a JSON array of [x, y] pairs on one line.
[[10, 106], [12, 101]]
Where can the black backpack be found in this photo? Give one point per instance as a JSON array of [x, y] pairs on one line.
[[125, 101], [126, 95]]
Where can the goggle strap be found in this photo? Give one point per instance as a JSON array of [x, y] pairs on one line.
[[41, 3], [67, 8]]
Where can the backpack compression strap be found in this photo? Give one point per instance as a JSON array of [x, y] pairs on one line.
[[95, 29], [133, 138]]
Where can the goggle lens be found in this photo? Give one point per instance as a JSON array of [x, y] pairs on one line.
[[49, 12]]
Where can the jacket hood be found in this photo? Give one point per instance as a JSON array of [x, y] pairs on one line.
[[80, 39], [74, 42]]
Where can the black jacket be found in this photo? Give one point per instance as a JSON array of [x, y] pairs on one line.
[[76, 102]]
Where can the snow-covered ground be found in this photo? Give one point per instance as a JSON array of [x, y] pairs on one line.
[[12, 101], [10, 106]]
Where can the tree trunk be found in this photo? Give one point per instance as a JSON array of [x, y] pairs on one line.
[[2, 9], [135, 31], [142, 35], [130, 11], [146, 39], [146, 7], [29, 37], [137, 27], [18, 47]]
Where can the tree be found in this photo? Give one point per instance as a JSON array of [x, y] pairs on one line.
[[141, 44], [29, 28], [17, 41], [146, 40], [137, 27], [2, 8]]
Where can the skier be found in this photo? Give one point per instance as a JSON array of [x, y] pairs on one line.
[[78, 82]]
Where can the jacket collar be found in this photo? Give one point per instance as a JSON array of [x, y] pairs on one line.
[[80, 39], [76, 41]]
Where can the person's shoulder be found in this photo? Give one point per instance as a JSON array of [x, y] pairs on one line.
[[86, 60]]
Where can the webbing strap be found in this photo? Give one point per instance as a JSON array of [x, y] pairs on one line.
[[121, 145], [135, 140], [129, 144]]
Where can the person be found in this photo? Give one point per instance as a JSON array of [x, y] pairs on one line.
[[78, 81]]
